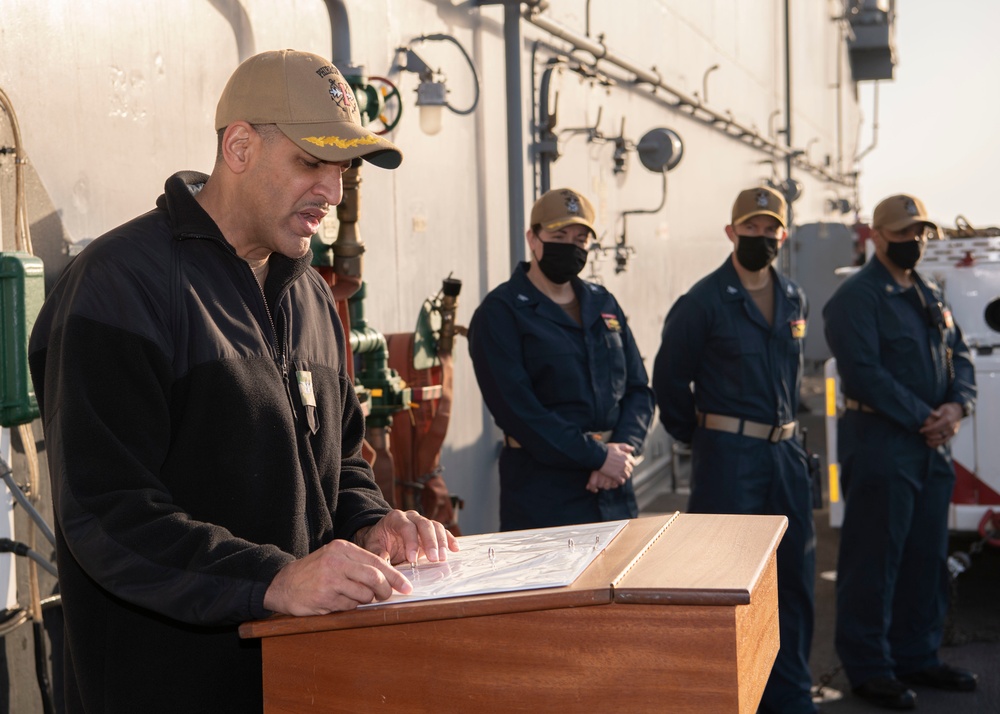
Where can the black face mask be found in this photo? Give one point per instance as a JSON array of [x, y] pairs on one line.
[[905, 255], [756, 252], [561, 261]]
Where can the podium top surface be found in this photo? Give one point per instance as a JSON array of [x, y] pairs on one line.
[[702, 559], [673, 559]]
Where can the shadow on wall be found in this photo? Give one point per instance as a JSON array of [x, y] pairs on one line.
[[49, 239]]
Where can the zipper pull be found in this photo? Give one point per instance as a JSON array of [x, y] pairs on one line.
[[288, 387]]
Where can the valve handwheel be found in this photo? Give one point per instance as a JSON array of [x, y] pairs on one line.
[[393, 104]]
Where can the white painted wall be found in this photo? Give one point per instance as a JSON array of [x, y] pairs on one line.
[[113, 96]]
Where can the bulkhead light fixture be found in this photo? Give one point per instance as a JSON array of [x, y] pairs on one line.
[[430, 101], [432, 94]]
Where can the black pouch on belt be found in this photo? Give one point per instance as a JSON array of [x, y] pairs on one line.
[[815, 472]]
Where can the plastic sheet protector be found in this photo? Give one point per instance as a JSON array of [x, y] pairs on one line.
[[504, 562]]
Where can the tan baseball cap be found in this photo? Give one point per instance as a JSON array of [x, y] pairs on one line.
[[760, 201], [561, 207], [309, 100], [898, 212]]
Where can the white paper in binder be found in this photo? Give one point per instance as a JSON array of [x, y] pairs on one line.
[[505, 562]]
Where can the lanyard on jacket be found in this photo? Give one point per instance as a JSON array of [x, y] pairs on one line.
[[935, 315]]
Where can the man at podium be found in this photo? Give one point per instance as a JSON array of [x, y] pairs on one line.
[[203, 437]]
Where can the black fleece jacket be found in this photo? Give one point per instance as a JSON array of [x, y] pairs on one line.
[[186, 468]]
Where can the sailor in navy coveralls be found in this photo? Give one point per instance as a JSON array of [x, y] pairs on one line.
[[727, 380], [908, 380], [563, 378]]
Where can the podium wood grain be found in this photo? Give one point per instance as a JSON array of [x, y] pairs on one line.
[[678, 614]]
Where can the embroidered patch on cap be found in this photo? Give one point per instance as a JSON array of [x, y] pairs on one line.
[[341, 94], [340, 143]]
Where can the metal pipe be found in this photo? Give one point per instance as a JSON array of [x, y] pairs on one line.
[[340, 30], [874, 143], [545, 135], [365, 341], [349, 249], [788, 104], [704, 82], [515, 137], [695, 107], [450, 289], [785, 261], [840, 97]]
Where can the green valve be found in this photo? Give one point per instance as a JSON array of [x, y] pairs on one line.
[[22, 290]]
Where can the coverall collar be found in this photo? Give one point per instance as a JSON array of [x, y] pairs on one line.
[[881, 275], [733, 290], [527, 295], [190, 221]]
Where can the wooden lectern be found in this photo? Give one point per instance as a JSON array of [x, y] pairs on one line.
[[678, 614]]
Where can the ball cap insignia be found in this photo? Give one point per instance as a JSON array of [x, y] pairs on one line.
[[760, 201], [900, 211], [561, 207]]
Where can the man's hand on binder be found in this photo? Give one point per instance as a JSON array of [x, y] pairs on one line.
[[342, 575], [402, 535]]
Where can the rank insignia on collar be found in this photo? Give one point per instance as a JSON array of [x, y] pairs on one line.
[[731, 290], [611, 320], [798, 329]]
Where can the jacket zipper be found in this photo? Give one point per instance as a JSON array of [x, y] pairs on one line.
[[279, 347]]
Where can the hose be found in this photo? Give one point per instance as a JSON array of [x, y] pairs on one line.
[[26, 504], [22, 232], [41, 667], [17, 548], [22, 237]]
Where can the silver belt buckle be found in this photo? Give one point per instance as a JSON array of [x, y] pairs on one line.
[[780, 433]]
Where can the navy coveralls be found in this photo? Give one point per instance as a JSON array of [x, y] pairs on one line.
[[892, 578], [716, 338], [549, 383]]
